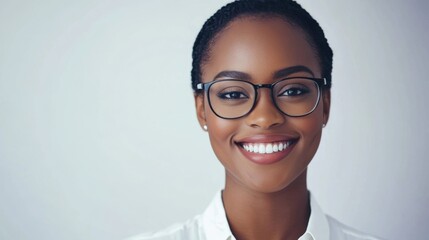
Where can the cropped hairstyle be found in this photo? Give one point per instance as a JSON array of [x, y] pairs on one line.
[[288, 10]]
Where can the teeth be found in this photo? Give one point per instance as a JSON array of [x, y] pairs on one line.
[[275, 148], [261, 148], [266, 148], [269, 148]]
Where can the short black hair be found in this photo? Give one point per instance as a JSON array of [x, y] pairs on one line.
[[289, 10]]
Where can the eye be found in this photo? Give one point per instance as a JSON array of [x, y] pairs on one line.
[[232, 95], [293, 91]]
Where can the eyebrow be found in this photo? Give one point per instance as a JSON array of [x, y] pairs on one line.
[[290, 70], [282, 73], [233, 75]]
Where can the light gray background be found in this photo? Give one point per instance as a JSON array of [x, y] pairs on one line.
[[98, 135]]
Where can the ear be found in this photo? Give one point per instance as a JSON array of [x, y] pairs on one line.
[[200, 109], [326, 100]]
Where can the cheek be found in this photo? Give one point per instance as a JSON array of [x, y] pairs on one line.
[[221, 133], [310, 128]]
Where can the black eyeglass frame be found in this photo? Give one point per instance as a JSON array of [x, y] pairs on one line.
[[320, 82]]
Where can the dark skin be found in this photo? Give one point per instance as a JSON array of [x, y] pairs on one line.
[[264, 201]]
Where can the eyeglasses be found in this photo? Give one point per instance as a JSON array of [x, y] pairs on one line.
[[232, 99]]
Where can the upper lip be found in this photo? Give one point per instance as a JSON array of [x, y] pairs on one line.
[[261, 138]]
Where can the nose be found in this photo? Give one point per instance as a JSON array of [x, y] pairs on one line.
[[265, 114]]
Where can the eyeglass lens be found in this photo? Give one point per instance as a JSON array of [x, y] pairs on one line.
[[234, 99]]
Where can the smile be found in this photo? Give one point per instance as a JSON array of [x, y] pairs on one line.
[[266, 148]]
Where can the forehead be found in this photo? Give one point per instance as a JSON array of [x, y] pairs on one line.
[[259, 47]]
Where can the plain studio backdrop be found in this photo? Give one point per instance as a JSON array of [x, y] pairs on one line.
[[99, 139]]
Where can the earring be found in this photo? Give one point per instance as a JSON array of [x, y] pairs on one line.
[[205, 127], [324, 125]]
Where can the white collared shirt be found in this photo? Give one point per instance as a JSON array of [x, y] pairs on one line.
[[213, 225]]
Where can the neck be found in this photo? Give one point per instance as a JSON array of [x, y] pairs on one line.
[[276, 215]]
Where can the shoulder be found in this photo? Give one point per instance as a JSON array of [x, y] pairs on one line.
[[212, 223], [189, 230], [339, 230]]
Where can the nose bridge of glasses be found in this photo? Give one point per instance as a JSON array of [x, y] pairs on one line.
[[269, 90], [264, 112], [268, 97], [258, 86]]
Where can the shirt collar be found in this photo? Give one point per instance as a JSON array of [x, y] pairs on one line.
[[216, 225], [318, 226]]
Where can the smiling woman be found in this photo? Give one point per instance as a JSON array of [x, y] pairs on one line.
[[99, 137], [261, 78]]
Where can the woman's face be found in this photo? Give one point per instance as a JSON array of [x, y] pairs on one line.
[[263, 51]]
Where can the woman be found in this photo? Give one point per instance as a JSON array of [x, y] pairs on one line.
[[261, 75]]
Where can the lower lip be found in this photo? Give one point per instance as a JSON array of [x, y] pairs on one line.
[[267, 158]]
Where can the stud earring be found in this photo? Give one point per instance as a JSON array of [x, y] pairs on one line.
[[205, 127], [324, 125]]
